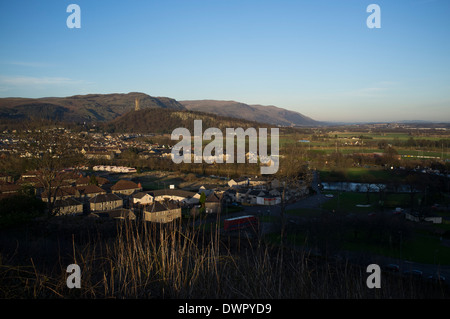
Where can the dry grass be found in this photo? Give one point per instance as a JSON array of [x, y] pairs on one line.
[[148, 261]]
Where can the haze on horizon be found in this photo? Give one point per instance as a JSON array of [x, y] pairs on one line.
[[318, 57]]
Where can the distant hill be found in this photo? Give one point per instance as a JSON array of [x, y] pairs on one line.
[[259, 113], [166, 120], [81, 108], [103, 108]]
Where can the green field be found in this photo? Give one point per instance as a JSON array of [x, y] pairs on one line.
[[383, 136], [421, 249], [358, 175], [422, 246], [336, 141], [348, 201], [304, 212]]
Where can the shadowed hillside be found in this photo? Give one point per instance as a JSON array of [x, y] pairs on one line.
[[259, 113], [165, 121], [93, 108], [81, 108]]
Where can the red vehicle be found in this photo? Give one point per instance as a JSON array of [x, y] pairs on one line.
[[241, 222]]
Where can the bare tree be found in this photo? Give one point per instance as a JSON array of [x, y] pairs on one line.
[[55, 155], [368, 180], [382, 193], [293, 176], [413, 181]]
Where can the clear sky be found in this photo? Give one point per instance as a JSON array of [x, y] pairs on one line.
[[317, 57]]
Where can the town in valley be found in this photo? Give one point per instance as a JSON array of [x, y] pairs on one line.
[[227, 150]]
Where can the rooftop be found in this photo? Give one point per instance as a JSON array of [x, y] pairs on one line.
[[125, 184], [104, 198], [173, 192]]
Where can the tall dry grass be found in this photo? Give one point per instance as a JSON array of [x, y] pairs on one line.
[[173, 261]]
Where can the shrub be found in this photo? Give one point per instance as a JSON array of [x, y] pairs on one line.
[[18, 209]]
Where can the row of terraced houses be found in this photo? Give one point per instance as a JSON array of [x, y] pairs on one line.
[[96, 196]]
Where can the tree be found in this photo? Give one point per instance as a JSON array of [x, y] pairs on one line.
[[382, 193], [382, 144], [293, 176], [53, 151], [20, 208], [413, 181], [93, 180], [368, 180], [390, 156], [202, 201]]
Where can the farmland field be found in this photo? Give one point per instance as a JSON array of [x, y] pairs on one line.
[[410, 144]]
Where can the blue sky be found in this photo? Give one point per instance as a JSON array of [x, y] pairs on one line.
[[317, 57]]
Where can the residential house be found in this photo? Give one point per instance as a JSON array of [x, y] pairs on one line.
[[37, 180], [59, 193], [241, 196], [143, 198], [145, 155], [115, 150], [162, 212], [229, 196], [275, 183], [267, 199], [41, 187], [6, 178], [83, 181], [8, 189], [68, 206], [30, 174], [68, 177], [120, 213], [258, 183], [114, 169], [93, 179], [239, 182], [176, 195], [104, 202], [252, 196], [99, 154], [213, 203], [203, 189], [126, 187], [196, 198], [29, 180], [89, 191], [102, 181]]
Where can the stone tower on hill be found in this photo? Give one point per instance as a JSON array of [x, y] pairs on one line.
[[136, 104]]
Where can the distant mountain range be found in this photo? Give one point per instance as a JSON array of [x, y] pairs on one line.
[[107, 107], [258, 113], [81, 108]]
